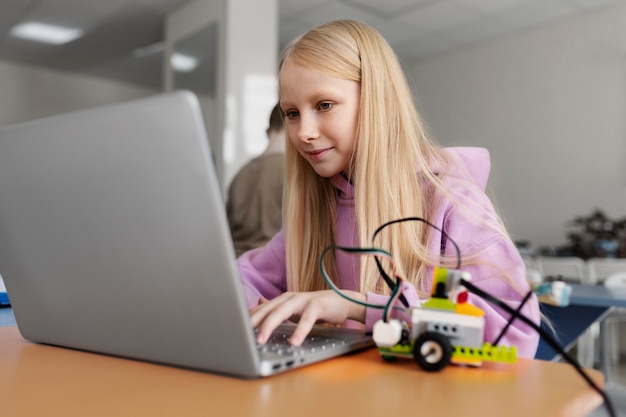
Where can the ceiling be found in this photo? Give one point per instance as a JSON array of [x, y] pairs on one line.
[[416, 29]]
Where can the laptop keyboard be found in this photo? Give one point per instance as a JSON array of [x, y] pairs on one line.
[[323, 342], [278, 345]]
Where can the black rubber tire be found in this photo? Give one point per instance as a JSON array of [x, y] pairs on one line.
[[432, 351]]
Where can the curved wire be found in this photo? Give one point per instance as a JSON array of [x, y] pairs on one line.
[[376, 253], [382, 271], [443, 232]]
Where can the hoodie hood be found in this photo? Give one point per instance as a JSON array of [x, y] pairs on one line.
[[469, 160]]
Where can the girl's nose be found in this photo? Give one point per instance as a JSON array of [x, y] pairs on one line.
[[307, 130]]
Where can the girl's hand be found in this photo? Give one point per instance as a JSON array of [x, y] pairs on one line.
[[306, 308]]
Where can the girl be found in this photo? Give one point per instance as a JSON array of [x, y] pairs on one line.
[[357, 157]]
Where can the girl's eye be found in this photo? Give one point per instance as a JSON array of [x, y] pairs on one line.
[[325, 106], [291, 114]]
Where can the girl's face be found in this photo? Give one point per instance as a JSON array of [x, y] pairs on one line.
[[321, 116]]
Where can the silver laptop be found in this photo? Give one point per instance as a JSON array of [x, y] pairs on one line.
[[114, 239]]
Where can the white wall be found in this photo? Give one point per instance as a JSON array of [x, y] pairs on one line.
[[251, 61], [28, 92], [247, 32], [550, 106]]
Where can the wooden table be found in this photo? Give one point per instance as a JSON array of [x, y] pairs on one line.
[[40, 380]]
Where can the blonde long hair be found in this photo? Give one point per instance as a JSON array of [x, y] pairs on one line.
[[390, 166]]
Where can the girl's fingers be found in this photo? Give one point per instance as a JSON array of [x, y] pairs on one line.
[[305, 308], [270, 315], [305, 324]]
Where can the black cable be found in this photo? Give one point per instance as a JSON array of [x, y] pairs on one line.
[[360, 251], [512, 318], [547, 337], [382, 271], [419, 219]]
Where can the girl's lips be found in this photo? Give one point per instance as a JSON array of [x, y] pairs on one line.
[[317, 155]]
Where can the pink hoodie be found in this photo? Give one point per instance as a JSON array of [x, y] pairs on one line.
[[263, 269]]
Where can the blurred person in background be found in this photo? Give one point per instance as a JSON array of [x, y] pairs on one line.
[[255, 195]]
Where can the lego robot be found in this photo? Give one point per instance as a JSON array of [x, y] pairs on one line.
[[444, 329]]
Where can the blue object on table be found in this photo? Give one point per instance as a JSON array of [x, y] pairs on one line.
[[587, 304], [4, 297], [6, 316], [555, 293]]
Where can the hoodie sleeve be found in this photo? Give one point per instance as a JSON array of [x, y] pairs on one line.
[[496, 267], [263, 270], [372, 315], [490, 256]]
